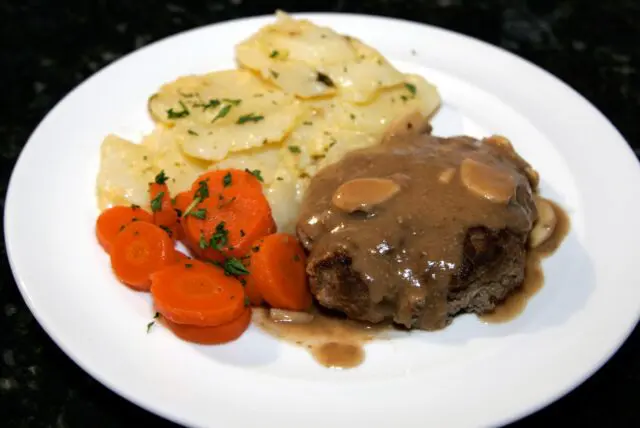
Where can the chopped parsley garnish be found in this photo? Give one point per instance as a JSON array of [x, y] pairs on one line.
[[122, 228], [404, 98], [307, 123], [274, 53], [213, 103], [323, 78], [203, 190], [200, 195], [199, 213], [242, 233], [135, 207], [255, 249], [232, 101], [188, 265], [247, 301], [256, 173], [274, 73], [352, 116], [149, 325], [226, 180], [411, 88], [222, 113], [161, 178], [296, 258], [192, 132], [234, 267], [279, 178], [251, 117], [203, 242], [220, 238], [294, 149], [156, 203], [172, 114]]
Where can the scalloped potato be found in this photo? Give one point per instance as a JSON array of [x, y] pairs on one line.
[[303, 97]]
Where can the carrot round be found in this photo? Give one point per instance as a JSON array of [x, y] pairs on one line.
[[113, 220], [212, 335], [278, 271], [193, 292], [233, 214], [138, 251]]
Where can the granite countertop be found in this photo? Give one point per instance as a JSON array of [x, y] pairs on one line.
[[50, 47]]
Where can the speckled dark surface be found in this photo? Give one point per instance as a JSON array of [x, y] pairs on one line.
[[47, 48]]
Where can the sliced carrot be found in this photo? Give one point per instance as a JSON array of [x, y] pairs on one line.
[[233, 215], [278, 271], [113, 220], [193, 292], [212, 335], [140, 250]]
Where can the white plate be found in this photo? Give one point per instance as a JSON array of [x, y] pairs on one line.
[[470, 374]]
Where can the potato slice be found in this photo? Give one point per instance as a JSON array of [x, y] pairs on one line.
[[224, 112], [125, 172], [266, 159], [164, 145]]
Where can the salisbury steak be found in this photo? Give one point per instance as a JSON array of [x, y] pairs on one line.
[[419, 229]]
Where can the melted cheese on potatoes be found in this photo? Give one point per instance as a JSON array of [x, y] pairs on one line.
[[303, 97]]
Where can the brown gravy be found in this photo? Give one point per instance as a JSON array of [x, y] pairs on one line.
[[515, 304], [333, 340]]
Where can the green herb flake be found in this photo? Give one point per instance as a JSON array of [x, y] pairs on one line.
[[274, 53], [279, 178], [274, 73], [213, 103], [251, 117], [307, 123], [188, 265], [200, 214], [294, 149], [234, 267], [323, 78], [247, 301], [172, 114], [226, 180], [156, 203], [121, 228], [192, 132], [296, 258], [203, 242], [161, 178], [411, 88], [242, 234], [233, 101], [222, 113], [135, 207], [255, 249], [352, 116], [256, 173], [203, 191], [220, 238], [150, 324]]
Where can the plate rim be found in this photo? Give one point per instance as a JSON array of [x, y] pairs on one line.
[[95, 372]]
